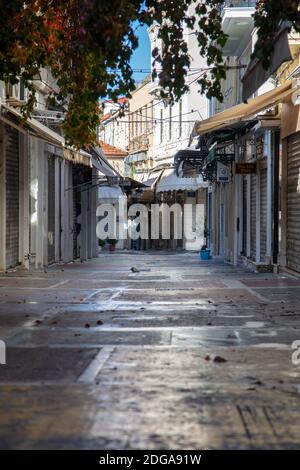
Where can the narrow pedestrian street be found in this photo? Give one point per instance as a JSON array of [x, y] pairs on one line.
[[153, 350]]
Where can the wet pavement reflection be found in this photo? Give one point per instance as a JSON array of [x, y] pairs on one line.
[[175, 353]]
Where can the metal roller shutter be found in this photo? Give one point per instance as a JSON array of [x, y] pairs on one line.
[[263, 213], [12, 197], [245, 186], [253, 218], [51, 209], [293, 203], [76, 213]]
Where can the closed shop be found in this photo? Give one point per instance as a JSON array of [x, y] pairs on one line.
[[12, 197], [76, 211], [293, 202], [51, 209], [253, 218], [245, 215], [263, 213]]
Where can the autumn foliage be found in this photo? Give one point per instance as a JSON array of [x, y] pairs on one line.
[[87, 46]]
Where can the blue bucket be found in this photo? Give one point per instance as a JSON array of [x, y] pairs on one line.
[[205, 254]]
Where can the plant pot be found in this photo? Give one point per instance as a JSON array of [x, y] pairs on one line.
[[112, 247], [205, 254]]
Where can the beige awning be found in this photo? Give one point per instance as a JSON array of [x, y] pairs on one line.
[[245, 111], [36, 129], [77, 156]]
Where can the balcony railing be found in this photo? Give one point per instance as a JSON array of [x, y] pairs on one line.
[[140, 142], [239, 3]]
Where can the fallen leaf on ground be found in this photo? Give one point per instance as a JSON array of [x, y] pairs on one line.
[[219, 359]]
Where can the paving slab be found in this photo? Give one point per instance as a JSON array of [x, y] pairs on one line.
[[44, 364], [181, 354], [87, 336]]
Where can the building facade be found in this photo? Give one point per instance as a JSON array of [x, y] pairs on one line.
[[48, 197], [139, 162], [241, 160], [115, 156], [250, 151], [290, 162]]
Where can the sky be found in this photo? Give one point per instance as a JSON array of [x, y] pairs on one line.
[[141, 58]]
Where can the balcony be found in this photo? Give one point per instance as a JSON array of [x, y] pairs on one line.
[[237, 22], [139, 143], [239, 4]]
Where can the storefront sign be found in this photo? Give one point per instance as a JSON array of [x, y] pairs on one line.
[[245, 168], [223, 173]]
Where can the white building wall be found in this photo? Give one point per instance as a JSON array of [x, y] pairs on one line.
[[114, 130], [173, 132]]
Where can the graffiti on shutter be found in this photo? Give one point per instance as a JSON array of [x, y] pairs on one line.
[[12, 197], [293, 203]]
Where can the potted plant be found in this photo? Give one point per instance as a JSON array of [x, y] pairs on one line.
[[112, 243], [102, 244], [205, 253]]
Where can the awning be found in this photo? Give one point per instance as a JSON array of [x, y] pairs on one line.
[[187, 160], [131, 183], [153, 179], [101, 164], [110, 194], [244, 111], [255, 75], [36, 129], [78, 156], [33, 126], [169, 181], [136, 157], [141, 177], [228, 134]]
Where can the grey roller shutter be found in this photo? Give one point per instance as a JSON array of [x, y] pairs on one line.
[[263, 213], [293, 203], [51, 209], [253, 218], [245, 194], [76, 214], [12, 197]]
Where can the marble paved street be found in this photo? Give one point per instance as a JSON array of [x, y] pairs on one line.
[[182, 354]]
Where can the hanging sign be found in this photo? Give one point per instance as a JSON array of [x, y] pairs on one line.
[[223, 173], [245, 168]]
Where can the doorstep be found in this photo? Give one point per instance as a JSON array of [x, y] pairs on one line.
[[259, 267]]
